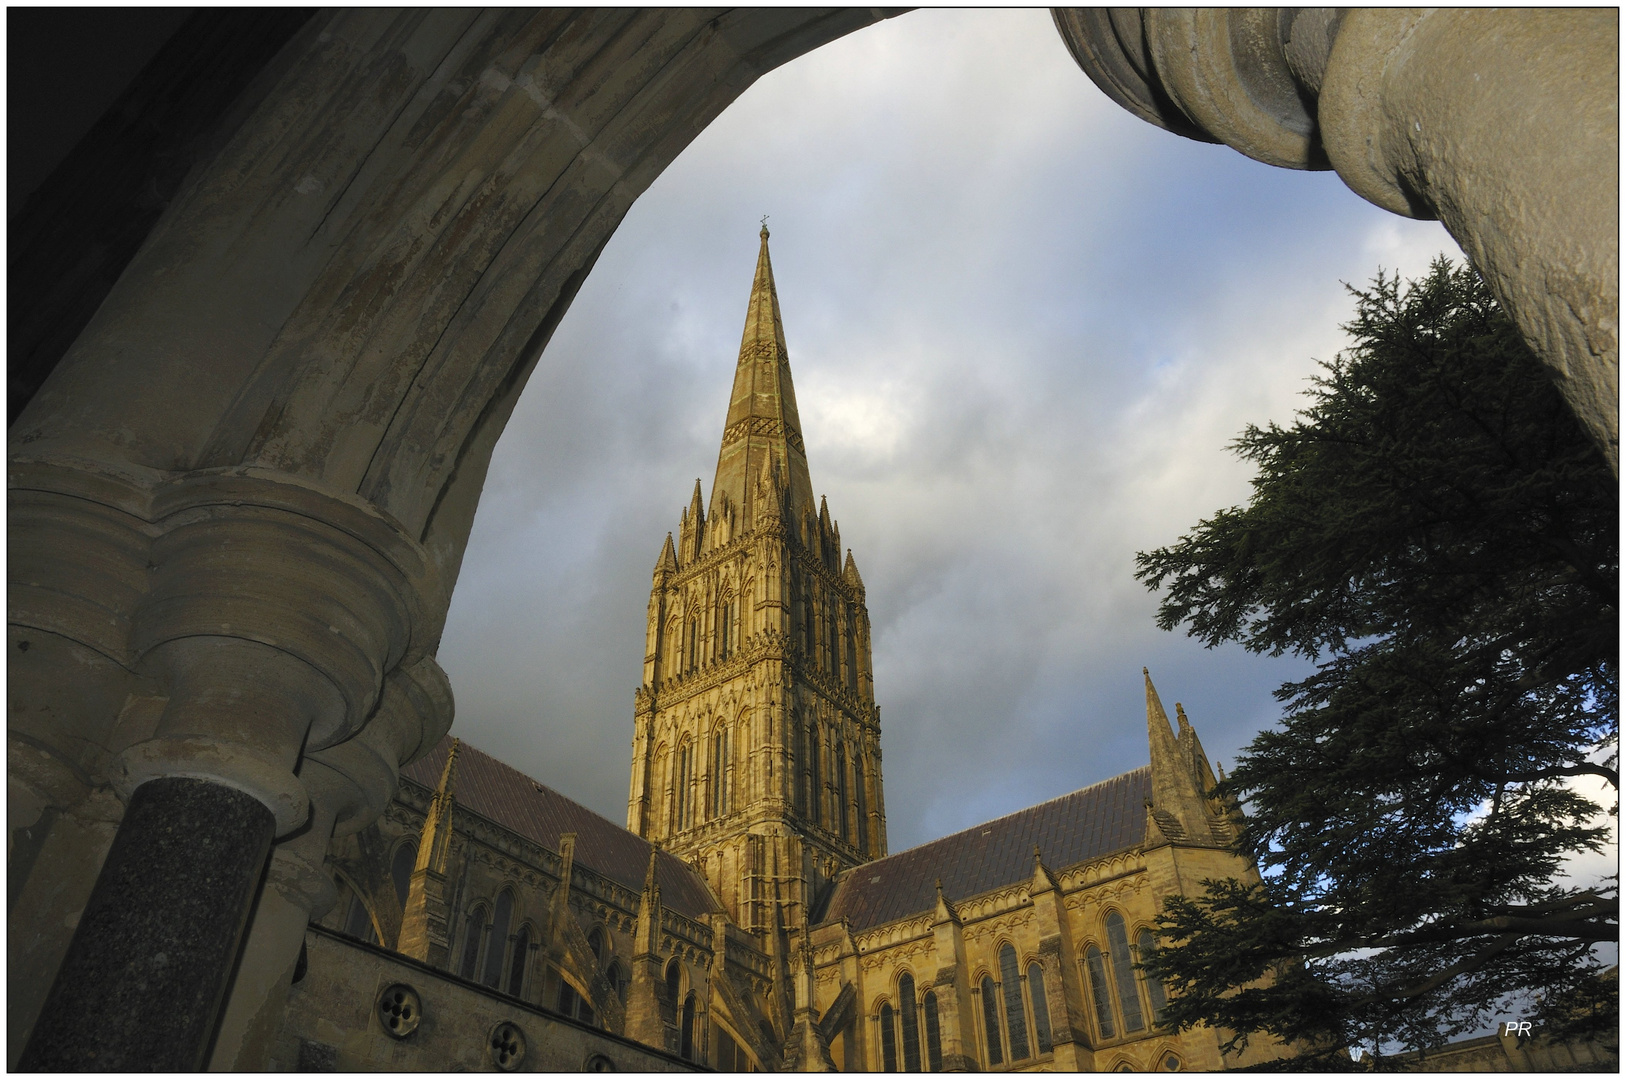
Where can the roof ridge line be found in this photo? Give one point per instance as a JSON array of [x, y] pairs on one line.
[[1004, 817]]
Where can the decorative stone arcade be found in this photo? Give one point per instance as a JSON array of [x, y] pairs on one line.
[[239, 499]]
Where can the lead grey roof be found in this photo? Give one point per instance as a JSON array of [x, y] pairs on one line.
[[1087, 824], [503, 794]]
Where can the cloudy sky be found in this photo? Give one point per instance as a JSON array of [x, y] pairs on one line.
[[1023, 327]]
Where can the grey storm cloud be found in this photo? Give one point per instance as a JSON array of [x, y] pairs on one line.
[[1023, 326]]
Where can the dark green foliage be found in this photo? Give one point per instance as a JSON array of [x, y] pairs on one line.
[[1436, 531]]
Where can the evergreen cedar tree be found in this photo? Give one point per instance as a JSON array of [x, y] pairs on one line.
[[1437, 533]]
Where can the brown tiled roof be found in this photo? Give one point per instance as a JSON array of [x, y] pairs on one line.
[[513, 800], [1091, 822]]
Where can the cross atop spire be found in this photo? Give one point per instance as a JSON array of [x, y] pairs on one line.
[[762, 419]]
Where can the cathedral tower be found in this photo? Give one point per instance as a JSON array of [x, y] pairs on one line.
[[756, 744]]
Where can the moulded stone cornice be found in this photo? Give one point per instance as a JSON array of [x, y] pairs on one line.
[[891, 933], [761, 647]]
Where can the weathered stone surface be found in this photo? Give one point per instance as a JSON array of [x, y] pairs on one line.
[[331, 1022]]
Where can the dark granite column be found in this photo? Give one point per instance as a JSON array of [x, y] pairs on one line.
[[143, 980]]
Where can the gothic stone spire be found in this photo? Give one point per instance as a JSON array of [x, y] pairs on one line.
[[1174, 788], [762, 419]]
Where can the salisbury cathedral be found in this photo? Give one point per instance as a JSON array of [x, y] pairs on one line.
[[750, 917]]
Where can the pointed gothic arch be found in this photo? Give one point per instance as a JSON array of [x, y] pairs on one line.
[[502, 916], [474, 929], [1122, 964]]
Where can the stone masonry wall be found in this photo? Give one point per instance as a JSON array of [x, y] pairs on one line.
[[333, 1022]]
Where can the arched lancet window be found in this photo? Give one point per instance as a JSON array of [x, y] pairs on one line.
[[672, 648], [852, 648], [1041, 1007], [1123, 973], [833, 646], [843, 822], [516, 966], [498, 945], [595, 943], [686, 1037], [814, 790], [1154, 987], [1016, 1020], [725, 617], [863, 808], [811, 633], [1099, 994], [990, 1020], [911, 1023], [406, 857], [471, 942], [693, 651], [617, 977], [719, 771], [934, 1034], [685, 766], [674, 987], [889, 1040], [659, 801]]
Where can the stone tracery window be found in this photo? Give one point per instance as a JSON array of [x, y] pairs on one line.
[[1016, 1021], [1155, 993], [517, 964], [674, 987], [934, 1035], [842, 820], [889, 1039], [1041, 1007], [686, 1032], [1100, 994], [471, 942], [498, 944], [911, 1023], [1123, 973], [406, 857], [990, 1020]]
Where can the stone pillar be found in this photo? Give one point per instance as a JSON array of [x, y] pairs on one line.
[[807, 1049], [955, 1005], [1064, 994], [1503, 124], [155, 945], [644, 1020]]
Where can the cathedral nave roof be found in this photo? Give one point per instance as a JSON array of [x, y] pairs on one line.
[[1086, 824], [535, 811]]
